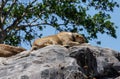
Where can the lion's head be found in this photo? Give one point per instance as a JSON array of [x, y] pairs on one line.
[[78, 38]]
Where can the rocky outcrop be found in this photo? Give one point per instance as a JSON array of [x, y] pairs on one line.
[[58, 62]]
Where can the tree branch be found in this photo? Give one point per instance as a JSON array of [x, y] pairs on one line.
[[3, 33], [15, 23], [14, 2], [31, 4], [18, 19], [3, 3], [33, 25]]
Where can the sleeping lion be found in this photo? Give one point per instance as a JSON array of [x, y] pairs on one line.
[[62, 38], [8, 50]]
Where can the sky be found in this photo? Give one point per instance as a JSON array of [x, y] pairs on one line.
[[106, 41]]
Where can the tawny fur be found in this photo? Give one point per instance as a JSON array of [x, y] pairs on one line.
[[8, 50], [62, 38]]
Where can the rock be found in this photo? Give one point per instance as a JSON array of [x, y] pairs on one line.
[[116, 66], [57, 62], [51, 62], [99, 61]]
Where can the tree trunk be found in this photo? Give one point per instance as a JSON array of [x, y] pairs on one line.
[[3, 34]]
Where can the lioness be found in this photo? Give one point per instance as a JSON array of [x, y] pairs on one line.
[[62, 38], [8, 50]]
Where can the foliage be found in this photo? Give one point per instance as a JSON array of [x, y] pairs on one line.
[[20, 21]]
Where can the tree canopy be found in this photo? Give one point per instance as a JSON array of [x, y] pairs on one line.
[[21, 20]]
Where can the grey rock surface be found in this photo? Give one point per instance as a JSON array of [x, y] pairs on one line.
[[58, 62]]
